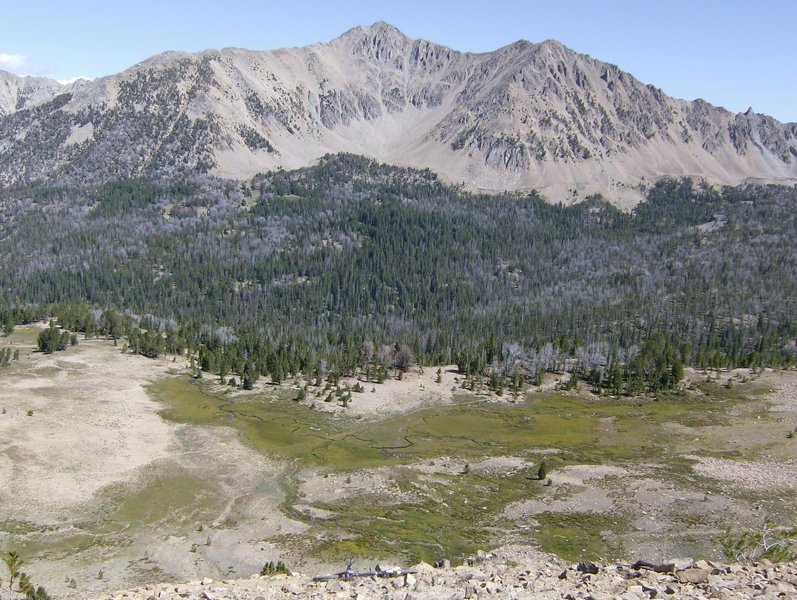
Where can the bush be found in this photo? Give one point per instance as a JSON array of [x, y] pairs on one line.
[[52, 340], [274, 569], [771, 542], [542, 471], [18, 581]]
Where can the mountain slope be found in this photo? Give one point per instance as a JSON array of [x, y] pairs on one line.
[[18, 92], [524, 116]]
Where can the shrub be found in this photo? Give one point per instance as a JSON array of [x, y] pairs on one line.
[[271, 568], [771, 542]]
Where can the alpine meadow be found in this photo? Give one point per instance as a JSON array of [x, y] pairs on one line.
[[380, 301]]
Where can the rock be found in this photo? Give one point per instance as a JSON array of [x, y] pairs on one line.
[[293, 588], [657, 567], [508, 574], [588, 567], [207, 581], [336, 585], [694, 575], [785, 588]]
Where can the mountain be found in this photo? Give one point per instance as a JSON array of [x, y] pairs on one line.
[[17, 93], [524, 116]]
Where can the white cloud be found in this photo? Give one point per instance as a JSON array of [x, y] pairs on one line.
[[13, 62]]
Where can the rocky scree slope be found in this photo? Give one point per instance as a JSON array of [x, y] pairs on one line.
[[524, 116], [511, 572]]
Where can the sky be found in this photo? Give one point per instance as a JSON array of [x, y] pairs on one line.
[[731, 53]]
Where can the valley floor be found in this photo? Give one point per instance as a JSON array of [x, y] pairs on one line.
[[118, 471]]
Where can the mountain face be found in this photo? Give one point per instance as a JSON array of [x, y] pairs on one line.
[[17, 93], [524, 116]]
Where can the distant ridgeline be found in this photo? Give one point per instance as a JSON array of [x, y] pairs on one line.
[[350, 264]]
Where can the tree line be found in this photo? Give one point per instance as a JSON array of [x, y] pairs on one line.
[[274, 276]]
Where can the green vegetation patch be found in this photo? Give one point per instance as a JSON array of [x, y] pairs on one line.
[[169, 501], [581, 536], [453, 517], [570, 424]]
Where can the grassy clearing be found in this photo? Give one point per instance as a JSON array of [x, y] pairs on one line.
[[171, 501], [581, 536], [169, 504], [453, 516], [570, 424]]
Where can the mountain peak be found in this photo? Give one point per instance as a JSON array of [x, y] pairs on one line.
[[379, 30], [380, 42], [528, 115]]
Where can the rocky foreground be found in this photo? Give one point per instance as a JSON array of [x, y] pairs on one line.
[[511, 572]]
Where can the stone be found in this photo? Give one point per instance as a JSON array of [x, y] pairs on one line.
[[295, 589], [588, 567], [694, 575], [785, 588], [336, 585]]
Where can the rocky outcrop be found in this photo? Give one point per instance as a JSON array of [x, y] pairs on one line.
[[17, 93], [512, 572], [524, 116]]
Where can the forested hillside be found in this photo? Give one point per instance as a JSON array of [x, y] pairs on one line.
[[310, 264]]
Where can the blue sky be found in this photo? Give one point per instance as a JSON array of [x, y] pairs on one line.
[[732, 53]]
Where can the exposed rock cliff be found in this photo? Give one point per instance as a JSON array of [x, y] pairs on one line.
[[524, 116]]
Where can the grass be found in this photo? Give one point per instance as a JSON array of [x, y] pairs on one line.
[[170, 504], [571, 424], [581, 536], [171, 501], [456, 515]]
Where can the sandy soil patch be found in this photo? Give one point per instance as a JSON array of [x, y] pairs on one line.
[[417, 389], [574, 491], [375, 484], [784, 398], [491, 466], [95, 462], [751, 475], [92, 424]]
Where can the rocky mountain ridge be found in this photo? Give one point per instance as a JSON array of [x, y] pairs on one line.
[[524, 116], [511, 572]]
